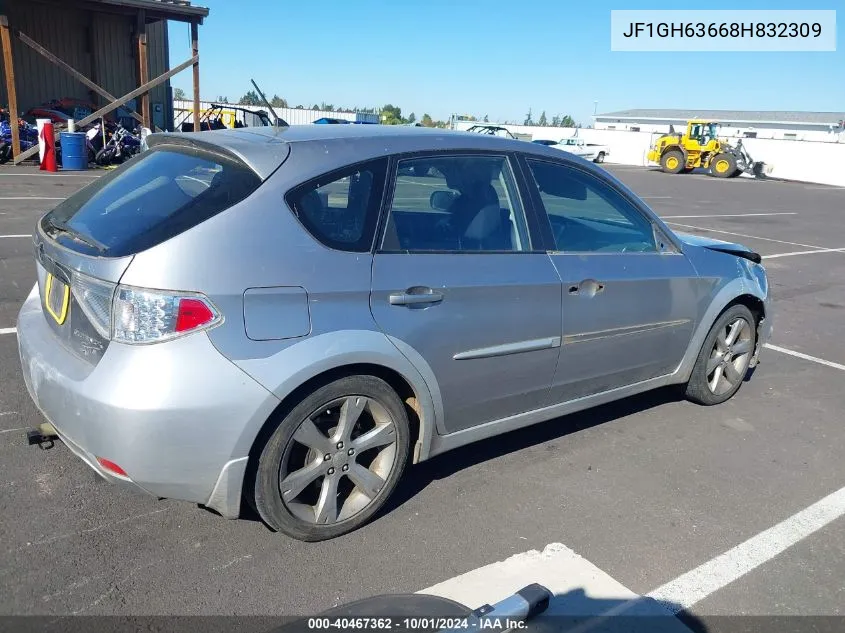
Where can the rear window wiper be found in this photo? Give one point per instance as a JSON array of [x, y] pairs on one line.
[[62, 227]]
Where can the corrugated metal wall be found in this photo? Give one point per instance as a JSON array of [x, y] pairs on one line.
[[99, 45], [64, 33]]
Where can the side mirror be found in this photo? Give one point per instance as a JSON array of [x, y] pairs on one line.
[[442, 200]]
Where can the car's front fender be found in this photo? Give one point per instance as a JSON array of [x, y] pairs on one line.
[[747, 284]]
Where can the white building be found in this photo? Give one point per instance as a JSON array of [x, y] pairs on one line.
[[795, 126]]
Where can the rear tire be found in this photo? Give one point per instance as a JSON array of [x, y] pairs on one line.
[[600, 157], [309, 482], [724, 358], [672, 162], [723, 165]]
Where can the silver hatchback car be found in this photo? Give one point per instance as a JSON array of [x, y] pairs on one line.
[[286, 317]]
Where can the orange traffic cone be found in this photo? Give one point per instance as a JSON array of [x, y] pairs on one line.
[[48, 162]]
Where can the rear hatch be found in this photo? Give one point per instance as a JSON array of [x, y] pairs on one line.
[[84, 245]]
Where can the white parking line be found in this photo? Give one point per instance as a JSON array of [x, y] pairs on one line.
[[32, 198], [753, 237], [697, 584], [582, 589], [2, 236], [730, 215], [822, 250], [814, 359], [8, 330], [12, 430], [656, 197], [412, 182]]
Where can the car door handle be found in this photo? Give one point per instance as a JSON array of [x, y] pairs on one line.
[[415, 298], [587, 288]]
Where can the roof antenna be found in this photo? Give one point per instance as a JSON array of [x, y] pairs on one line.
[[279, 122]]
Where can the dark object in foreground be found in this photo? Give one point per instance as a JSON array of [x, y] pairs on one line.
[[421, 612]]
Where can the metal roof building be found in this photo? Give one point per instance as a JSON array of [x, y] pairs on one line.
[[56, 49], [791, 125]]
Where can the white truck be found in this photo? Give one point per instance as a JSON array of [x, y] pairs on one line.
[[578, 146]]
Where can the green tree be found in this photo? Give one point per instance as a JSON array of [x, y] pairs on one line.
[[250, 98], [315, 107], [222, 99], [412, 118], [179, 94], [427, 121], [567, 121], [542, 122], [556, 121], [486, 120], [278, 102], [391, 115], [528, 119], [300, 107]]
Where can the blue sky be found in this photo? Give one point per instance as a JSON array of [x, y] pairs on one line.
[[490, 57]]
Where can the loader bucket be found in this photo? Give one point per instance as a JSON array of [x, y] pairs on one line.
[[760, 170]]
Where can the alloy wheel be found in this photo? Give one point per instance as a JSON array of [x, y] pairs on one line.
[[730, 356], [338, 460]]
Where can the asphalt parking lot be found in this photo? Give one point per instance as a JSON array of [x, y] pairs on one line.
[[632, 496]]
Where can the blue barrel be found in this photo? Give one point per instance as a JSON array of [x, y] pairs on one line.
[[74, 150]]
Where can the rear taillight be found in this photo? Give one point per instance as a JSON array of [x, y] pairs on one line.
[[140, 315], [95, 299], [149, 316]]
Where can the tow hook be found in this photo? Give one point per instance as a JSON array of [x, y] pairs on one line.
[[44, 436]]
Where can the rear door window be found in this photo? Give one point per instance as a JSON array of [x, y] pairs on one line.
[[340, 209], [160, 194]]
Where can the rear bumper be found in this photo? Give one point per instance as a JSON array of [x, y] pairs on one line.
[[171, 414]]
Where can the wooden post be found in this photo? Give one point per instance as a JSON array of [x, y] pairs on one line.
[[143, 67], [10, 85], [195, 52]]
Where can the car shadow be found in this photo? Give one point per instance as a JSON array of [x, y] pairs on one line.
[[575, 610], [419, 476]]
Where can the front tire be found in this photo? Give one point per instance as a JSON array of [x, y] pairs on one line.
[[723, 165], [724, 357], [600, 157], [672, 162], [334, 460]]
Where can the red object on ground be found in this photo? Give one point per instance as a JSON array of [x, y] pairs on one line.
[[48, 162]]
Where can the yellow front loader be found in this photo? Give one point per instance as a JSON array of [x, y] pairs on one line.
[[701, 147]]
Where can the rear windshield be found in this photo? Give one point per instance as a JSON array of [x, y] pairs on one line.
[[159, 194]]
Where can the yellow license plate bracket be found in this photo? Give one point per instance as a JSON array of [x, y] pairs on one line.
[[56, 298]]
